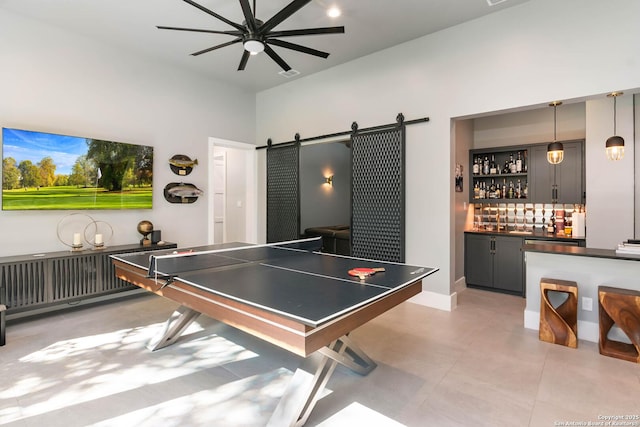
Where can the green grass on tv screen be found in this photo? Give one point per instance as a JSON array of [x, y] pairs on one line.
[[71, 197]]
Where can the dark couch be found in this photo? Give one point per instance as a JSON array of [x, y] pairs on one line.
[[335, 238]]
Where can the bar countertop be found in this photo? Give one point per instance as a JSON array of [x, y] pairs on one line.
[[532, 235], [578, 251]]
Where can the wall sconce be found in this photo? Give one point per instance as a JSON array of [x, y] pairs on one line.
[[555, 150], [615, 144], [329, 180]]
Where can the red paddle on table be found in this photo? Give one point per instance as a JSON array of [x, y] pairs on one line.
[[362, 273]]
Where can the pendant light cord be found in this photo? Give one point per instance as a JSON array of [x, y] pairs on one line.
[[614, 115], [555, 123]]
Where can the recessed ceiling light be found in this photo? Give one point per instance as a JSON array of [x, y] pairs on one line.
[[334, 12], [495, 2]]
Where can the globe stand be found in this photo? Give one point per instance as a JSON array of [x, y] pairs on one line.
[[145, 228], [76, 248]]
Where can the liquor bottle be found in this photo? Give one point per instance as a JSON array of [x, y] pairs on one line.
[[519, 163], [492, 190], [504, 188], [476, 191], [493, 168], [497, 194], [482, 193], [476, 166], [512, 164], [518, 190], [485, 166], [526, 190], [511, 190], [506, 168]]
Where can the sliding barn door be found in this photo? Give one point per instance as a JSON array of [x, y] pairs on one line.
[[378, 194], [283, 193]]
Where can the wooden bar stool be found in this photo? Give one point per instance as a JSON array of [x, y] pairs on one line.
[[559, 325], [622, 308]]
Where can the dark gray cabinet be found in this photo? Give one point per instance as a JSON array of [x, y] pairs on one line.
[[568, 176], [494, 262], [43, 282]]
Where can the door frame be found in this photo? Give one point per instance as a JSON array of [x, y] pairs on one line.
[[251, 219]]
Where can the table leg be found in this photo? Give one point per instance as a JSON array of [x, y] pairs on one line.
[[173, 328], [304, 389]]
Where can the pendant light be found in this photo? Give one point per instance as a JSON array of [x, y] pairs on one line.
[[555, 150], [615, 144]]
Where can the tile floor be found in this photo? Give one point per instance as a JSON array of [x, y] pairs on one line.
[[476, 366]]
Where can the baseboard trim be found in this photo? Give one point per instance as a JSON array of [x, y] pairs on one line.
[[588, 331], [435, 300], [460, 285]]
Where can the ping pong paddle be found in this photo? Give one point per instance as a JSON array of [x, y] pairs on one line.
[[363, 273]]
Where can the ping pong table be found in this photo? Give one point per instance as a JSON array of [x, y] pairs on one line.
[[287, 293]]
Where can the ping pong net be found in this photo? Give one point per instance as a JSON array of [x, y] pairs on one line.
[[169, 266]]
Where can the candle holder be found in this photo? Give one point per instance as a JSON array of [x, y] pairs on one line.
[[102, 233], [66, 227]]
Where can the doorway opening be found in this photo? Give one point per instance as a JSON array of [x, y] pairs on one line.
[[232, 212]]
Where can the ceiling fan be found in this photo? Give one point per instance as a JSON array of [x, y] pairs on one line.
[[257, 36]]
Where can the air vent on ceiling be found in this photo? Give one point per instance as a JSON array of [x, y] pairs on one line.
[[495, 2], [289, 74]]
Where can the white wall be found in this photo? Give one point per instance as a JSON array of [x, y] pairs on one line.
[[463, 136], [513, 59], [610, 202], [54, 81]]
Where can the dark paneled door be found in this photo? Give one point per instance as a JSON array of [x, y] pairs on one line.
[[378, 194], [283, 193]]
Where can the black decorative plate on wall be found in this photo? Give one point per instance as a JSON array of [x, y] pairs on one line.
[[181, 164], [180, 192]]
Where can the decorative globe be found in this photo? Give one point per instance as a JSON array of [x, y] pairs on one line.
[[145, 227]]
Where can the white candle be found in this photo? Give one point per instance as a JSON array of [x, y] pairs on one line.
[[76, 239], [98, 239]]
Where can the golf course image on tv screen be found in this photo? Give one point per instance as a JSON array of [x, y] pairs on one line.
[[46, 171]]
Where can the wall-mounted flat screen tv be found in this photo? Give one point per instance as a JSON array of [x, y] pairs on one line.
[[49, 171]]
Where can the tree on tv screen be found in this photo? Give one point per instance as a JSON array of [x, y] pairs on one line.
[[118, 163]]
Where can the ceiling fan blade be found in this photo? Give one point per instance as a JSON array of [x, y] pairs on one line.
[[288, 10], [200, 52], [215, 15], [298, 48], [273, 55], [243, 60], [248, 15], [198, 30], [307, 32]]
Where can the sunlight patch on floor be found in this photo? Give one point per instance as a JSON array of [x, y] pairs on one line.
[[90, 372], [358, 415], [245, 402]]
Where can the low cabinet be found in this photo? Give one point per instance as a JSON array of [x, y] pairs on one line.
[[30, 284], [494, 262]]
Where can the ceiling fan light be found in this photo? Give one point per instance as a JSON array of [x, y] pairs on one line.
[[253, 46], [615, 148], [334, 12]]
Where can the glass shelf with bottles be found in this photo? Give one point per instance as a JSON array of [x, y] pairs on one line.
[[499, 174]]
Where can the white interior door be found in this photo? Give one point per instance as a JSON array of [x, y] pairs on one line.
[[219, 197]]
